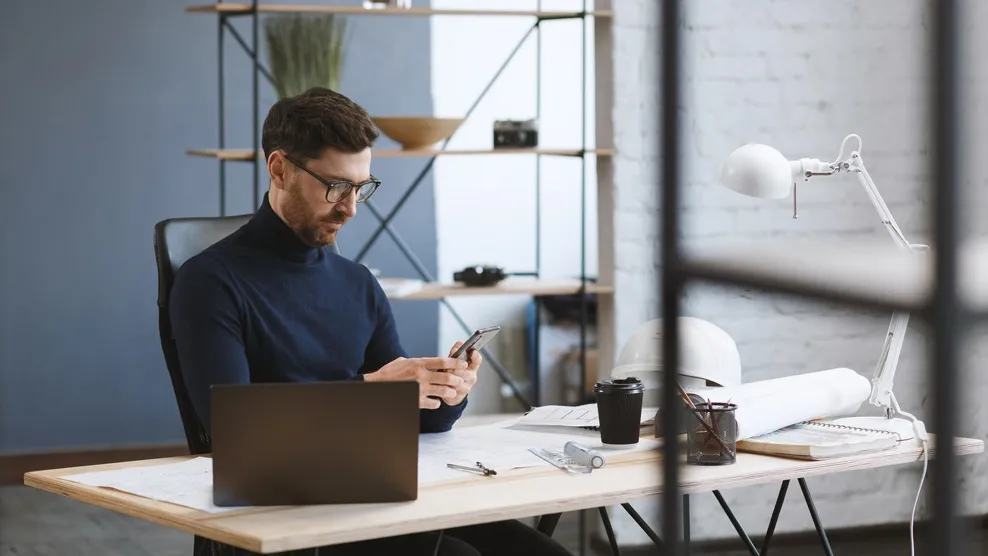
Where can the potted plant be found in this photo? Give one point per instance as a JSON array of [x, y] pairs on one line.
[[305, 51]]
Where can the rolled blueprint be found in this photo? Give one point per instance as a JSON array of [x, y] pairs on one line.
[[769, 405]]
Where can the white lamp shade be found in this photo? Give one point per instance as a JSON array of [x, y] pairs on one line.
[[758, 171]]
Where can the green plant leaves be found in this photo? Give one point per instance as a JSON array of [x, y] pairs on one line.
[[305, 51]]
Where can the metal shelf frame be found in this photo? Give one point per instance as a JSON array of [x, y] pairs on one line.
[[251, 48], [948, 316]]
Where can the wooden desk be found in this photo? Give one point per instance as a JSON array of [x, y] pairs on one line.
[[512, 494]]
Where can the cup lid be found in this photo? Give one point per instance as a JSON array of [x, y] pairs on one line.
[[629, 385]]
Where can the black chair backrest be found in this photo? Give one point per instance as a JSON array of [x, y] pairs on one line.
[[176, 241]]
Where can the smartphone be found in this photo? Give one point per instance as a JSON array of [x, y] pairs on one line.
[[476, 341]]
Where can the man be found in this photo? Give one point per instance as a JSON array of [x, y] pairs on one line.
[[271, 302]]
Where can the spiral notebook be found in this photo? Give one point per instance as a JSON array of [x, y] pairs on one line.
[[819, 439]]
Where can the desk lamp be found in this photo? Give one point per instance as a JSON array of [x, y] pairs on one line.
[[761, 171]]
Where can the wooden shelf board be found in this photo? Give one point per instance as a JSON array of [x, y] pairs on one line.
[[239, 8], [510, 286], [246, 154]]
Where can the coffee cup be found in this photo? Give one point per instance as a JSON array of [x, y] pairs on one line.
[[619, 410]]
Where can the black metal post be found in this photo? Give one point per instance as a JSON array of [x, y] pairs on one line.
[[737, 525], [394, 210], [686, 524], [426, 275], [611, 539], [946, 313], [644, 526], [439, 542], [535, 377], [391, 214], [815, 517], [547, 523], [583, 203], [222, 113], [255, 131], [582, 531], [671, 281], [250, 52], [775, 516]]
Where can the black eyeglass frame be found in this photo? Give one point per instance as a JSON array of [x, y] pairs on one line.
[[347, 185]]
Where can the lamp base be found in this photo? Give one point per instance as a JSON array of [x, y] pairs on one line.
[[897, 425]]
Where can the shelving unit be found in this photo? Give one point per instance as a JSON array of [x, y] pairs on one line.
[[234, 8], [536, 286], [248, 154], [438, 290], [946, 288]]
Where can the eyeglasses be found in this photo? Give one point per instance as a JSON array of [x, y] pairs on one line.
[[337, 190]]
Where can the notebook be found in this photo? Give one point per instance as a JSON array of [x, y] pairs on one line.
[[819, 439]]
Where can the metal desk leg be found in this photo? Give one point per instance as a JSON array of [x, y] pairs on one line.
[[439, 542], [686, 524], [610, 531], [775, 516], [816, 518], [547, 523], [737, 526], [644, 526]]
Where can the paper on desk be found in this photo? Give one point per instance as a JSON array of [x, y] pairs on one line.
[[500, 447], [570, 416], [188, 483]]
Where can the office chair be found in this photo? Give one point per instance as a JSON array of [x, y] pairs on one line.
[[177, 240]]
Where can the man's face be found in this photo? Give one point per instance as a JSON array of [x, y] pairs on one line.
[[303, 198]]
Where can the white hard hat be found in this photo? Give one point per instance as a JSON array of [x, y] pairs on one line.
[[708, 355]]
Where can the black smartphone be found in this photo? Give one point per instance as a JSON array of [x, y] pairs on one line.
[[476, 341]]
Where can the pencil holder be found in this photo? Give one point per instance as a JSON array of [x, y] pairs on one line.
[[712, 434]]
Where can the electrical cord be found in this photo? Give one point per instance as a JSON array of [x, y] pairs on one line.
[[920, 429]]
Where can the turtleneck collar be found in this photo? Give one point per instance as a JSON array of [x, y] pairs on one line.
[[274, 235]]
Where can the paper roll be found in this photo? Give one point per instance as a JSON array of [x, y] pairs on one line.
[[769, 405]]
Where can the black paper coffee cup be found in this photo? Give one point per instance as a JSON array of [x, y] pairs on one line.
[[619, 410]]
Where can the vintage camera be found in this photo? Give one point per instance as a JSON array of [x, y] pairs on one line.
[[513, 134]]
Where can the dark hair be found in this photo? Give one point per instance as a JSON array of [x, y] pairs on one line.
[[307, 124]]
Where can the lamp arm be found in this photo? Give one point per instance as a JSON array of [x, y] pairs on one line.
[[855, 164], [881, 383]]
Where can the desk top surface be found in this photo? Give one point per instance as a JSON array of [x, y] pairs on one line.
[[474, 499]]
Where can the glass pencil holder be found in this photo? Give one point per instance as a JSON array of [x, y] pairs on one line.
[[712, 434]]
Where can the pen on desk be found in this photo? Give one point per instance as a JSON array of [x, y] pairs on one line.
[[480, 469]]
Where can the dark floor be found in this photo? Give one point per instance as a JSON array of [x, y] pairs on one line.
[[36, 523]]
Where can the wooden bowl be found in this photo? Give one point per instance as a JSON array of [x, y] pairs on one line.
[[414, 133]]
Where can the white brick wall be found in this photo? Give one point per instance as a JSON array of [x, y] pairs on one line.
[[799, 75]]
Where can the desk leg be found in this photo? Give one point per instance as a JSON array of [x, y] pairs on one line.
[[737, 526], [610, 531], [644, 526], [439, 542], [686, 524], [816, 518], [775, 516], [547, 523]]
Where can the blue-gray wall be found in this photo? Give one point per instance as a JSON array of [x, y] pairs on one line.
[[98, 107]]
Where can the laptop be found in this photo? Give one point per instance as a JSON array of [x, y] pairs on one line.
[[315, 443]]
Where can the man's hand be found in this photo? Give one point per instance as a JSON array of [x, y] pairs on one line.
[[427, 371], [468, 374]]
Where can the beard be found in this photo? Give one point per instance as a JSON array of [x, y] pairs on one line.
[[308, 226]]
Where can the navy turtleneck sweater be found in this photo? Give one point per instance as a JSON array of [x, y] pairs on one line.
[[262, 306]]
